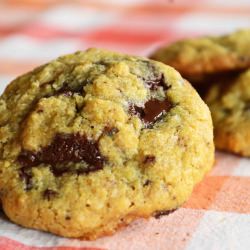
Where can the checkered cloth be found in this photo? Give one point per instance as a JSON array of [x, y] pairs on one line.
[[217, 216]]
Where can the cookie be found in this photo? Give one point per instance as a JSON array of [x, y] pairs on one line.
[[93, 140], [206, 58], [229, 102]]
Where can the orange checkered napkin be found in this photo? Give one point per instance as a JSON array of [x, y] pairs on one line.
[[217, 216]]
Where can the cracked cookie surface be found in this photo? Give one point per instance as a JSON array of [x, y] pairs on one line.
[[229, 103], [204, 58], [93, 140]]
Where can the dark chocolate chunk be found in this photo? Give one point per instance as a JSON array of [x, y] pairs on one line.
[[155, 79], [153, 111], [65, 148], [155, 82], [149, 159], [27, 159], [159, 214], [26, 175], [59, 170], [49, 194]]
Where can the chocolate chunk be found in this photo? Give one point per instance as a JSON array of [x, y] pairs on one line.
[[65, 148], [159, 214], [49, 194], [72, 148], [155, 79], [155, 82], [68, 91], [26, 175], [27, 159], [59, 170], [149, 159], [153, 111]]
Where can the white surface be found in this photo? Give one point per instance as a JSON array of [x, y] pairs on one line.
[[74, 19], [26, 236], [4, 80], [222, 231], [211, 23], [243, 169], [20, 47]]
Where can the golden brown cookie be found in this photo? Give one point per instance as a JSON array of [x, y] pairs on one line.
[[203, 59], [229, 103], [96, 139]]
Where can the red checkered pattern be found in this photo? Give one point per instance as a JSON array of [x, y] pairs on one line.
[[217, 216]]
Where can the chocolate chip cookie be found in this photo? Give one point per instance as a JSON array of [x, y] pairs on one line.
[[203, 59], [93, 140], [229, 102]]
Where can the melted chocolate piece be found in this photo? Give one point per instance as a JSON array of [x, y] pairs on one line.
[[27, 159], [65, 148], [153, 111], [155, 79], [156, 82], [159, 214], [149, 159], [49, 194]]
